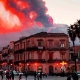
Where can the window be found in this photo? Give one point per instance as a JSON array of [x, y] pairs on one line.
[[62, 57], [24, 45], [39, 55], [62, 43], [50, 56], [50, 44], [72, 55], [28, 43], [18, 46], [39, 43], [32, 55], [56, 44]]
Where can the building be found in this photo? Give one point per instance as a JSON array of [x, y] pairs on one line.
[[46, 52], [8, 56]]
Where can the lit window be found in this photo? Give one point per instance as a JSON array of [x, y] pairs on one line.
[[62, 44]]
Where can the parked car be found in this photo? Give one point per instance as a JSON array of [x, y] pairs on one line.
[[17, 73], [78, 73]]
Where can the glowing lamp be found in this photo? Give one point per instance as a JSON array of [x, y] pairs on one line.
[[35, 64], [11, 64], [27, 64], [63, 63], [57, 64]]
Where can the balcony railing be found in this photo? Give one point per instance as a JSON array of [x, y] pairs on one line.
[[19, 51], [36, 60], [4, 54], [57, 48], [55, 60], [33, 48], [17, 62]]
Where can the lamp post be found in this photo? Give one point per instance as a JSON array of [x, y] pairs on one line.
[[8, 58], [72, 35]]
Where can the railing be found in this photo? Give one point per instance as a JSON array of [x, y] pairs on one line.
[[55, 60], [33, 48], [57, 48], [4, 54], [19, 51], [36, 60]]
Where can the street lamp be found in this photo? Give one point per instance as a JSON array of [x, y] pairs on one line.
[[72, 35], [8, 58]]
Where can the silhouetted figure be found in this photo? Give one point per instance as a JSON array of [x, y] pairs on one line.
[[7, 75], [40, 75], [69, 77], [12, 75], [26, 74], [20, 76], [1, 75], [34, 75], [74, 76]]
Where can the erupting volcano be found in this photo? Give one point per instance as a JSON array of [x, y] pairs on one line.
[[16, 15]]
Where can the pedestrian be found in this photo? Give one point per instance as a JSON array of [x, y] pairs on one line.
[[7, 75], [34, 75], [20, 76], [74, 76], [26, 74], [69, 77], [40, 75], [12, 75], [1, 75]]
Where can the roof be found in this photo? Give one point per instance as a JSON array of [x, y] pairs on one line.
[[45, 34]]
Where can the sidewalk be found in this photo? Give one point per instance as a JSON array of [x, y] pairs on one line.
[[32, 78]]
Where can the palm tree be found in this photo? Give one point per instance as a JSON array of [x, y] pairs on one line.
[[77, 26], [72, 35]]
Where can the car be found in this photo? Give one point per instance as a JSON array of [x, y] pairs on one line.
[[15, 72], [78, 73]]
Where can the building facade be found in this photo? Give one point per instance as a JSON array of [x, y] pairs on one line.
[[46, 52], [8, 56]]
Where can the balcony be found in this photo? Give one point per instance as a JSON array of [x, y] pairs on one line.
[[36, 60], [5, 60], [17, 62], [19, 51], [35, 48], [56, 60], [57, 48], [4, 54]]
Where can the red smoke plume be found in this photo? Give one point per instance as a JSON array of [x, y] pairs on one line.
[[19, 14]]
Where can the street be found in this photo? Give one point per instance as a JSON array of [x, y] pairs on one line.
[[32, 78]]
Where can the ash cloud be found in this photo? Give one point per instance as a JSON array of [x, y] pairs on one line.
[[35, 5]]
